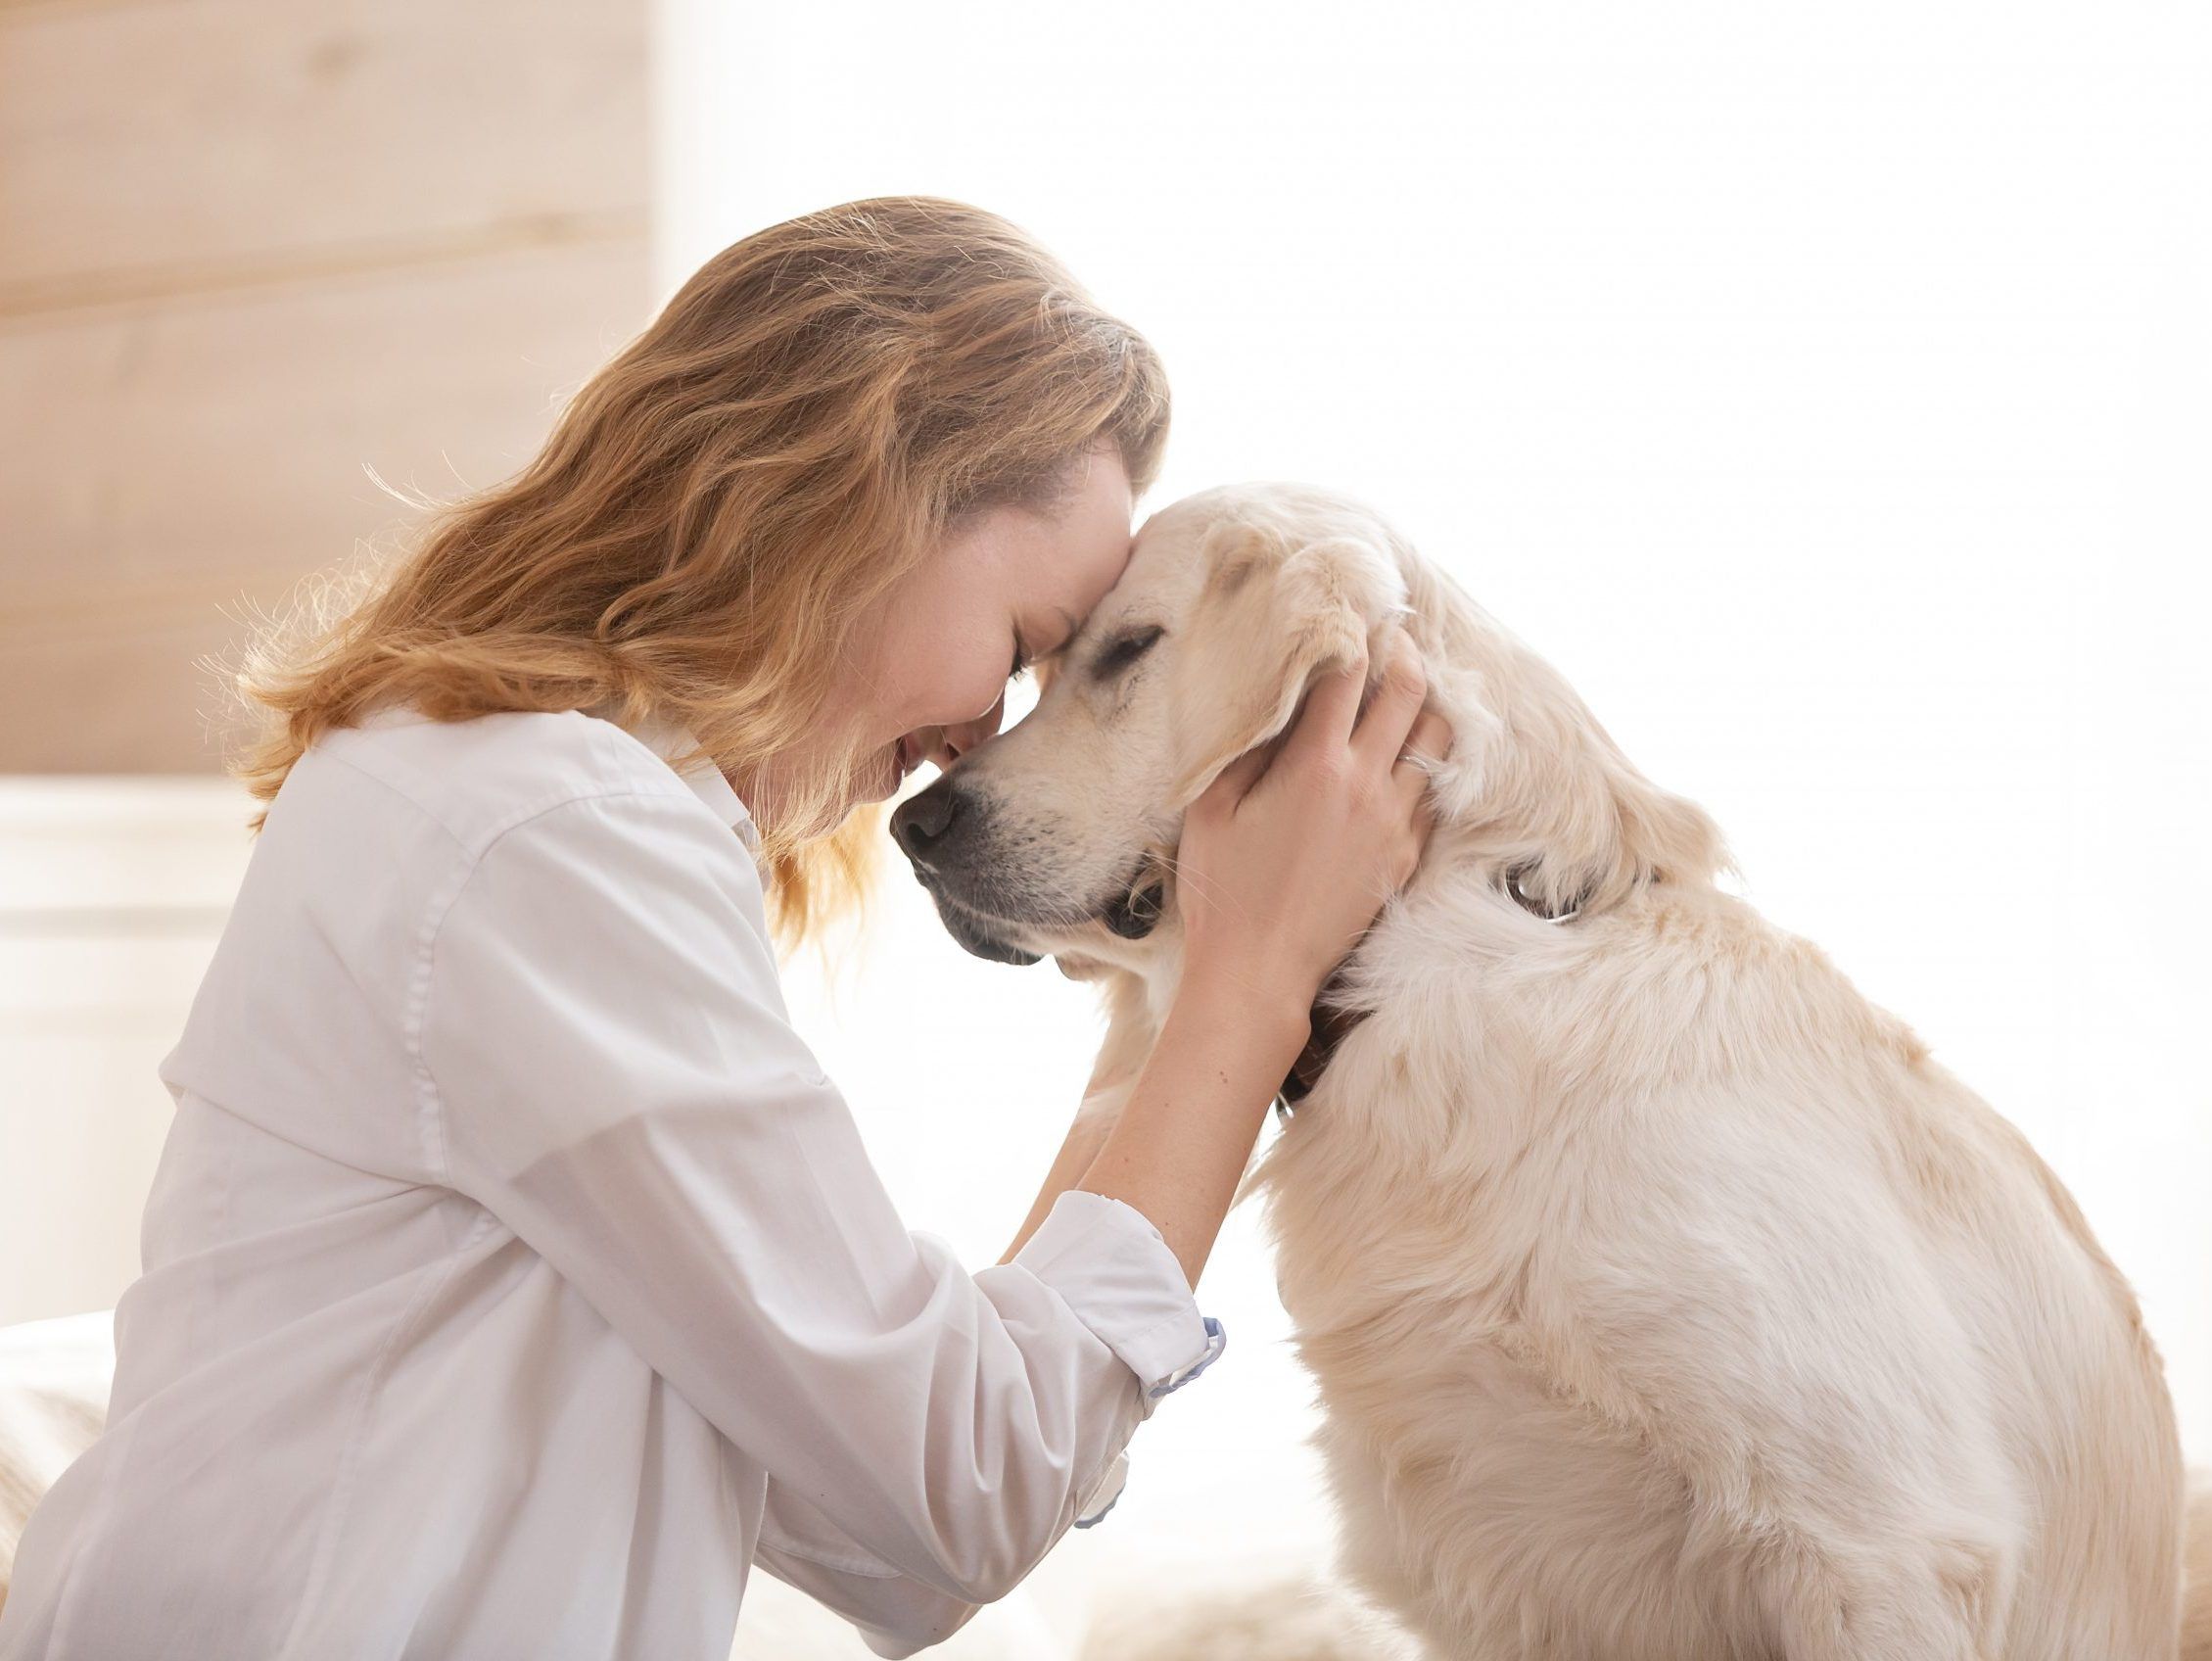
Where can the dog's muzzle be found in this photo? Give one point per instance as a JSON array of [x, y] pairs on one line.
[[945, 832], [936, 830], [924, 823]]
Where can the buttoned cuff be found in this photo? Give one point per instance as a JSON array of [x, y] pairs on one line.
[[1111, 1268]]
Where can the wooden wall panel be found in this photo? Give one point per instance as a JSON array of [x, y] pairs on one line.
[[169, 466], [250, 251], [155, 147]]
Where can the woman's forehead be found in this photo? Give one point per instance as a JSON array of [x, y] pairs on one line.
[[1093, 541]]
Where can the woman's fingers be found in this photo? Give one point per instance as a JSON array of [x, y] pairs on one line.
[[1331, 710], [1383, 730], [1233, 782], [1392, 726], [1427, 744]]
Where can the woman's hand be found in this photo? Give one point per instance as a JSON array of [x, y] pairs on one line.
[[1285, 863]]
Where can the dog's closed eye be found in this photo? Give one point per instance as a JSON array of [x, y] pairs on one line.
[[1123, 650]]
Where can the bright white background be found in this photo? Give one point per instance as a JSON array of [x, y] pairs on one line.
[[1824, 388]]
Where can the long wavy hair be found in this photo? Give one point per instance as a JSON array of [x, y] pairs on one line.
[[721, 504]]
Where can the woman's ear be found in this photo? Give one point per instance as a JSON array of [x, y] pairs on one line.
[[1269, 619]]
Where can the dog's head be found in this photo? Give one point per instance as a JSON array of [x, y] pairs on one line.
[[1059, 836]]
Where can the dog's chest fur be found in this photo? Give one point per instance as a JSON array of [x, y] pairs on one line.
[[1471, 1115], [1415, 1201]]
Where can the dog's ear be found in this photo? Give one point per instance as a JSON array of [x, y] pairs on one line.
[[1563, 814], [1642, 835], [1272, 615]]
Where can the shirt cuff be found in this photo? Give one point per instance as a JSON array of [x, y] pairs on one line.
[[1104, 1495], [1109, 1265]]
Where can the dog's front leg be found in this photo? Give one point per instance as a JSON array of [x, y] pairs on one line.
[[1131, 1031], [1130, 1034]]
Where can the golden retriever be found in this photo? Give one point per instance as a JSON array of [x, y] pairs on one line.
[[1664, 1298]]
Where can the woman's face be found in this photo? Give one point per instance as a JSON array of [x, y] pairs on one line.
[[926, 679]]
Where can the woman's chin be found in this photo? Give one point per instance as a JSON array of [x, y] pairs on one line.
[[880, 784], [877, 781], [883, 780]]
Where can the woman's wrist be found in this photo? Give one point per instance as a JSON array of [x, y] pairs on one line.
[[1256, 981], [1182, 1139], [1250, 1005]]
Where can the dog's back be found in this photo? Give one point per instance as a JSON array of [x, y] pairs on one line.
[[2074, 1380]]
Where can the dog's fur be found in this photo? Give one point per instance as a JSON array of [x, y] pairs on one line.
[[1664, 1298]]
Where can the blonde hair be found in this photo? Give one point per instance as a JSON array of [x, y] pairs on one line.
[[720, 504]]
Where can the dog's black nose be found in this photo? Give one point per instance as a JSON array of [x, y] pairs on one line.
[[923, 820]]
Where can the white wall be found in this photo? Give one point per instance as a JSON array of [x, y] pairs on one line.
[[113, 892], [1824, 388]]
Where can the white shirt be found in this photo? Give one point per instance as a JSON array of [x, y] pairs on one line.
[[514, 1279]]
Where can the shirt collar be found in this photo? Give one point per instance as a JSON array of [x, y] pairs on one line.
[[669, 741]]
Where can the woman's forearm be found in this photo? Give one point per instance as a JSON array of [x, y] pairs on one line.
[[1180, 1146]]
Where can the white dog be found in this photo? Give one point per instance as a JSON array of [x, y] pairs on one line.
[[1664, 1298]]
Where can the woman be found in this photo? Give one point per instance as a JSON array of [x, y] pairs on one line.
[[514, 1280]]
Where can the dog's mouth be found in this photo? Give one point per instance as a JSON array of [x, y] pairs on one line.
[[976, 933], [1131, 912]]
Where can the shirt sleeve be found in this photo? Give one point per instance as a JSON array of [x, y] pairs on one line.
[[606, 1066], [1093, 1249], [896, 1614]]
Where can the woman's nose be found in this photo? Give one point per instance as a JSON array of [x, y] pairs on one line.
[[953, 742]]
